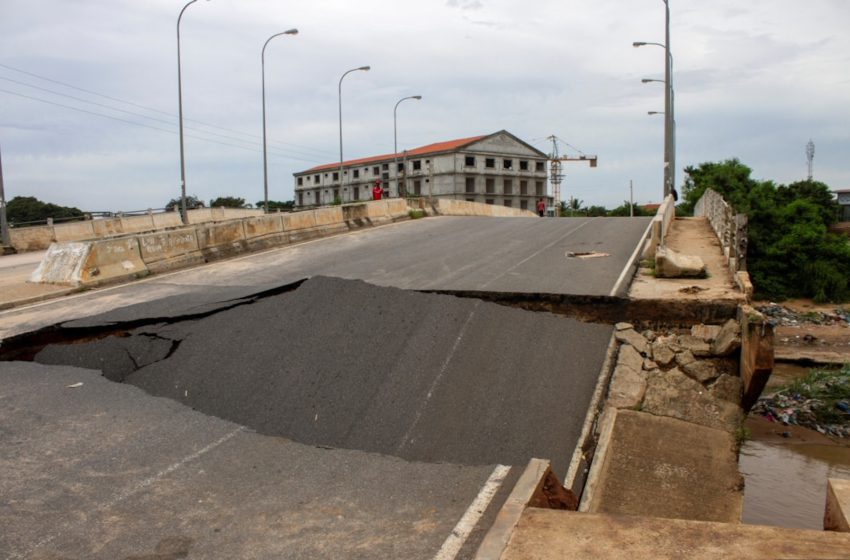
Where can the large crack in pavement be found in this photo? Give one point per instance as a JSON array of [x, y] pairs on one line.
[[345, 364]]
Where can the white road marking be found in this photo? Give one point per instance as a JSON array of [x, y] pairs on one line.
[[455, 541], [630, 262], [432, 388]]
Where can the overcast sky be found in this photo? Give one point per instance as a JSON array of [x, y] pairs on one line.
[[754, 80]]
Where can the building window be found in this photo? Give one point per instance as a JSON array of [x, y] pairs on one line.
[[335, 176], [417, 165], [336, 194], [376, 170], [523, 165], [417, 187], [301, 199], [540, 166], [523, 205], [470, 200], [356, 173], [469, 161], [490, 163], [470, 184], [523, 187], [508, 203], [490, 186], [399, 168], [538, 185], [300, 181], [316, 178], [489, 201], [385, 166], [508, 186], [356, 193], [508, 164]]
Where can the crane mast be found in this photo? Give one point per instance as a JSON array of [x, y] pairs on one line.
[[556, 177]]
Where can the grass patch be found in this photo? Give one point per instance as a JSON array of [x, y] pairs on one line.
[[416, 214]]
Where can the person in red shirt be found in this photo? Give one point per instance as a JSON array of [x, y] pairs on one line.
[[541, 208], [377, 191]]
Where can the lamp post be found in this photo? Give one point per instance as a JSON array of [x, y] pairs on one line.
[[365, 69], [265, 153], [395, 140], [669, 150], [180, 118], [5, 240]]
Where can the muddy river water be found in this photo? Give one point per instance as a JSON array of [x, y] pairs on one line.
[[786, 474]]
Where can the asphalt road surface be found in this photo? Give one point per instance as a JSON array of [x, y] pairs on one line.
[[444, 253], [334, 418]]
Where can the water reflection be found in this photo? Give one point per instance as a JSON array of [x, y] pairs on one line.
[[786, 483]]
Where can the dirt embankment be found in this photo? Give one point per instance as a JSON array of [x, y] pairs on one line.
[[810, 333]]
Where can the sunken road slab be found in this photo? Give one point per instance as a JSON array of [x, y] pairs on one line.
[[345, 364]]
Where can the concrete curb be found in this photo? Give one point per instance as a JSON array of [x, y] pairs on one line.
[[606, 427], [497, 538], [583, 454]]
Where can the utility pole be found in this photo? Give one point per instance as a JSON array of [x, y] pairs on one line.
[[5, 239], [631, 200], [810, 156]]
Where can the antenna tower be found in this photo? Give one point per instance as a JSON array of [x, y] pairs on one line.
[[810, 156]]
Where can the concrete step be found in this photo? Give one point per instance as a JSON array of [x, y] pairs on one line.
[[663, 467], [545, 534]]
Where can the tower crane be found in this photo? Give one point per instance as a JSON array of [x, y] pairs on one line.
[[555, 175]]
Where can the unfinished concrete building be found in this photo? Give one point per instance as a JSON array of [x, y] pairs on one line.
[[497, 168]]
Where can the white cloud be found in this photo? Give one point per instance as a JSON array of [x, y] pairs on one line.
[[754, 80]]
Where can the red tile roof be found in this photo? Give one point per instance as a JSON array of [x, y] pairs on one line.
[[420, 151]]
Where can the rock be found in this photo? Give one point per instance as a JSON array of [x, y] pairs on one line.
[[697, 346], [649, 365], [684, 357], [701, 370], [628, 384], [674, 394], [649, 335], [707, 333], [728, 388], [662, 354], [728, 339], [630, 336], [669, 264], [623, 326]]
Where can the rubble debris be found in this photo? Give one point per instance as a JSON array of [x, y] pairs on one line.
[[780, 315], [819, 401]]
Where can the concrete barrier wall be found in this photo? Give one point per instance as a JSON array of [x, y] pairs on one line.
[[136, 224], [169, 250], [660, 226], [73, 231], [31, 238], [729, 226], [113, 260], [108, 227], [203, 215], [454, 207], [96, 262], [167, 220]]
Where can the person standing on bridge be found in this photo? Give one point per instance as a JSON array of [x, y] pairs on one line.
[[377, 191], [541, 208]]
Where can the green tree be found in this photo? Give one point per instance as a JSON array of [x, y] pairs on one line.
[[790, 251], [594, 211], [275, 205], [192, 202], [23, 209], [227, 202]]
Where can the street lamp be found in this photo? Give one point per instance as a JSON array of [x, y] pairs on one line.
[[5, 239], [669, 150], [265, 153], [395, 140], [180, 113], [365, 69]]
